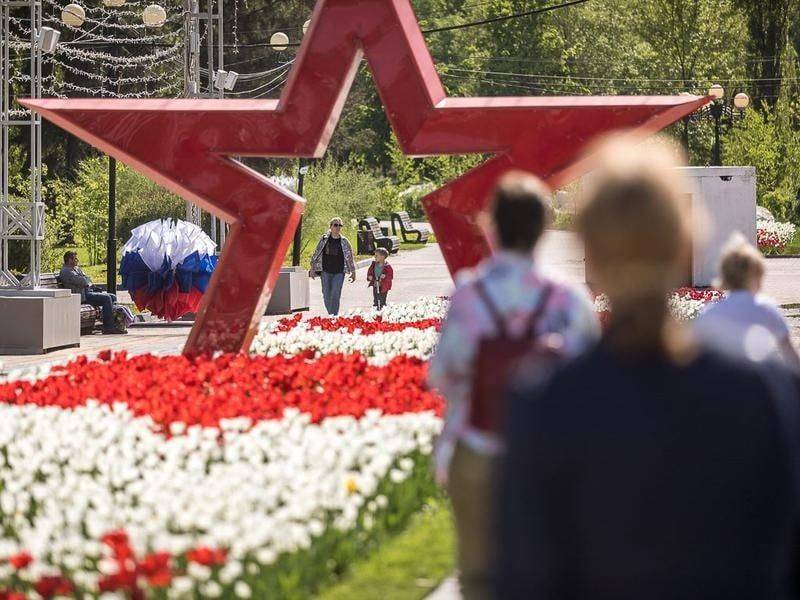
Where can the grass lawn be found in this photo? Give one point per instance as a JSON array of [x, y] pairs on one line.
[[407, 566], [794, 246]]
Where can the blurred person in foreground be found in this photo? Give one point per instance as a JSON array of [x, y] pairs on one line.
[[497, 315], [648, 468], [746, 323]]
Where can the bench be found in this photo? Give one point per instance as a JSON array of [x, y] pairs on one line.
[[390, 242], [90, 315], [401, 221]]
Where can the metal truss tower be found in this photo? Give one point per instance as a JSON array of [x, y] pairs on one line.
[[21, 211]]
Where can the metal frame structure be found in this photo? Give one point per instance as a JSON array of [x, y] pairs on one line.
[[197, 35], [21, 218]]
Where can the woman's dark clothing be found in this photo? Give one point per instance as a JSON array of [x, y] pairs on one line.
[[333, 257], [650, 481]]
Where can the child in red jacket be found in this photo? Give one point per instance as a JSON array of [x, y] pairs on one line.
[[379, 277]]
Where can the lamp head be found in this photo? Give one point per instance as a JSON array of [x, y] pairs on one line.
[[279, 41], [741, 100], [154, 16], [73, 15]]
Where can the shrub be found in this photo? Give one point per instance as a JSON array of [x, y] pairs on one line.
[[341, 190], [82, 206]]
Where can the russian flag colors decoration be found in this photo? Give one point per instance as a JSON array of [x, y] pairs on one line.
[[166, 266]]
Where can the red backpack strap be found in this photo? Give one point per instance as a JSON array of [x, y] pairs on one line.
[[538, 312], [495, 315]]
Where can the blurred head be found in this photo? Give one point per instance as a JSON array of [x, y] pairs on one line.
[[741, 266], [381, 254], [636, 231], [71, 258], [519, 211]]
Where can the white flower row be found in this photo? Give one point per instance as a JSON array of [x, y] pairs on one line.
[[67, 477], [417, 310], [682, 307], [379, 348], [783, 232]]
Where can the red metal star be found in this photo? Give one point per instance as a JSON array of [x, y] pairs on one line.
[[186, 146]]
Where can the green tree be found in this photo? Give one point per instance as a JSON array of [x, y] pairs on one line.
[[341, 190], [769, 139], [768, 23]]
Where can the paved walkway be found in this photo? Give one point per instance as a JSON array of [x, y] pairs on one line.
[[417, 273]]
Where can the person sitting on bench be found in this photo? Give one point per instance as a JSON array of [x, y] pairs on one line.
[[75, 280]]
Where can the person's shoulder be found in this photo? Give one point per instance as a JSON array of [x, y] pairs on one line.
[[551, 403], [466, 278], [567, 293], [736, 379], [768, 305]]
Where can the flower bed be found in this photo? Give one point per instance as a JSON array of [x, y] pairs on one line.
[[239, 476], [410, 330], [774, 236], [256, 475], [684, 303]]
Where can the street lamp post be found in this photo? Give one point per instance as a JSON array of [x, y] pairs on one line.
[[111, 241], [302, 169], [722, 114]]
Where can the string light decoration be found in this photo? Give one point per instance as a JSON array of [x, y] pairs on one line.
[[73, 48], [120, 49]]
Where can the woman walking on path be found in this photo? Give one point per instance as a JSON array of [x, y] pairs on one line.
[[648, 467], [332, 259]]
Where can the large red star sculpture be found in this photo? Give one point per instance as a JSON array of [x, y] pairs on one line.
[[186, 146]]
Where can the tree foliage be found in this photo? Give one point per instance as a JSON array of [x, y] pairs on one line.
[[82, 206], [598, 47]]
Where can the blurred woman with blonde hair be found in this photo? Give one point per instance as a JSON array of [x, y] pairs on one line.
[[648, 468], [746, 323]]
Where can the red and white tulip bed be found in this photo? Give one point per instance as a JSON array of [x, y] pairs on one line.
[[774, 236], [237, 476], [684, 303]]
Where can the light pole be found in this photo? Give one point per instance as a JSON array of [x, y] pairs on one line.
[[279, 42], [722, 114], [302, 169]]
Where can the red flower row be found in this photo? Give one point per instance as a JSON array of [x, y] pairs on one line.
[[704, 294], [156, 569], [367, 327], [203, 390], [769, 240]]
